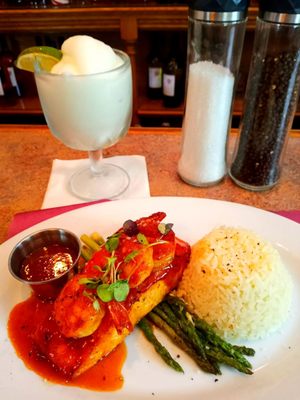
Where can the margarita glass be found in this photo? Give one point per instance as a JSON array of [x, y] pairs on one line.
[[90, 113]]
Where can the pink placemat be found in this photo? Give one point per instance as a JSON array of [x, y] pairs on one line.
[[293, 215], [25, 220]]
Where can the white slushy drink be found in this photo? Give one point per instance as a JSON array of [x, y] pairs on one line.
[[87, 96]]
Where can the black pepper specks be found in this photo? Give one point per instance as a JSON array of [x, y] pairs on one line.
[[270, 102]]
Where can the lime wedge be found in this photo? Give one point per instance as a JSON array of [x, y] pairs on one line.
[[44, 57]]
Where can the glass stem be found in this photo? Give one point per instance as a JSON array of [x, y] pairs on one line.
[[96, 158]]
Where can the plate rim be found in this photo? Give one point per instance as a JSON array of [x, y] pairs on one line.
[[272, 215], [229, 203]]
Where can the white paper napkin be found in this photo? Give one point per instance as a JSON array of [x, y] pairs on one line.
[[58, 191]]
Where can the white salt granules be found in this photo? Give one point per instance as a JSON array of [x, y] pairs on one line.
[[206, 121]]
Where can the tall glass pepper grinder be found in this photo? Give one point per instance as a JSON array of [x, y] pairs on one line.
[[215, 39], [271, 96]]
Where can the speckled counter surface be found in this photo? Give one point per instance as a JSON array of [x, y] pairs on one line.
[[26, 154]]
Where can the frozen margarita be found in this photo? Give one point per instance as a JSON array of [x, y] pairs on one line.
[[87, 97], [84, 55]]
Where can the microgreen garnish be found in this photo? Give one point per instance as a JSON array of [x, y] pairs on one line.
[[118, 291], [112, 242], [109, 287], [156, 243], [164, 228], [95, 301], [111, 261], [131, 256], [96, 305], [142, 238], [98, 268], [90, 283], [121, 289], [88, 295], [105, 292]]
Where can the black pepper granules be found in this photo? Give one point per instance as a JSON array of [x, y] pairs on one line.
[[268, 115], [271, 99]]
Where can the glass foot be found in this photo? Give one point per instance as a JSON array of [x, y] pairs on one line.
[[108, 183]]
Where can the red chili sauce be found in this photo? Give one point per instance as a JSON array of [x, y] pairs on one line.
[[22, 328], [32, 330], [46, 263]]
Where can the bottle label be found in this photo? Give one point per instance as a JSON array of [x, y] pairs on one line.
[[60, 2], [12, 76], [155, 78], [169, 85], [1, 89]]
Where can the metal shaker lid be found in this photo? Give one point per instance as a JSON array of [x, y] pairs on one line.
[[280, 11], [219, 10]]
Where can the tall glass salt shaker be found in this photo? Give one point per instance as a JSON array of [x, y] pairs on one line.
[[215, 39], [271, 96]]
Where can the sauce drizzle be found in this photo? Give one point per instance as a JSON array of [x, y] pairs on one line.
[[104, 376]]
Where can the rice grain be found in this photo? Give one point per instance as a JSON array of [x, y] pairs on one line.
[[237, 282]]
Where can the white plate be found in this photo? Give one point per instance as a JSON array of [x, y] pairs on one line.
[[276, 364]]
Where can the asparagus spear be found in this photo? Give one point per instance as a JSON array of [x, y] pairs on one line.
[[184, 345], [97, 238], [160, 349], [86, 253], [209, 333], [188, 329], [168, 316], [247, 351], [88, 241], [217, 348], [225, 359]]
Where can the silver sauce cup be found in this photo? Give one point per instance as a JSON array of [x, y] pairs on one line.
[[46, 289]]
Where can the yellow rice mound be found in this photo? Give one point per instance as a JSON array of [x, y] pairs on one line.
[[236, 282]]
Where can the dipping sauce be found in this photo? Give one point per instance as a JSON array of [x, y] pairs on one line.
[[46, 263]]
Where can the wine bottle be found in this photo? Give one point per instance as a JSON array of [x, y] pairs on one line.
[[155, 71], [173, 78], [2, 94], [9, 90]]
